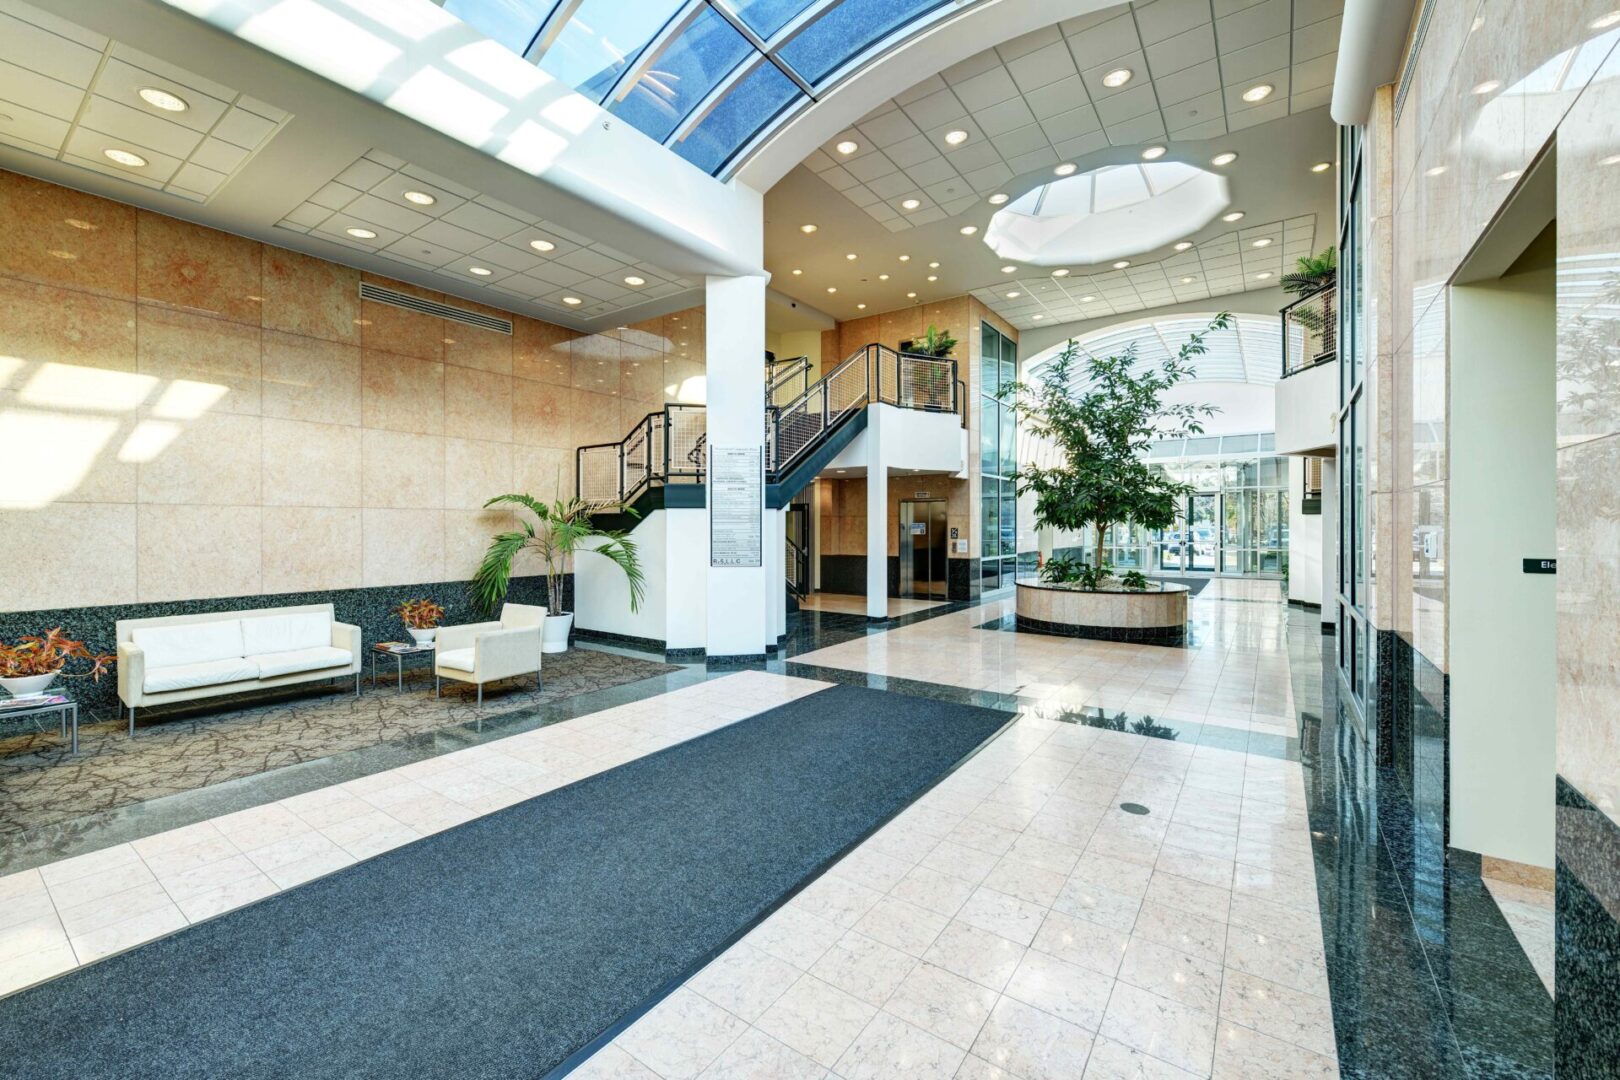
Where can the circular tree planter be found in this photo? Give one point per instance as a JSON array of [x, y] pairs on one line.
[[1157, 616]]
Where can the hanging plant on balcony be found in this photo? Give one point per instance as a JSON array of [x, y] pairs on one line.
[[1102, 434], [1314, 274], [934, 342]]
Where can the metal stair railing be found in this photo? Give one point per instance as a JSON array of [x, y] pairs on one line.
[[670, 446], [786, 380]]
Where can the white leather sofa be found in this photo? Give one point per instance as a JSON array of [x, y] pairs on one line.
[[484, 652], [186, 657]]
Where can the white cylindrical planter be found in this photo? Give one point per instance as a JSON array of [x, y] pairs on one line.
[[554, 638]]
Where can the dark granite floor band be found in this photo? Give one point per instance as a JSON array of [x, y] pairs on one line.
[[1588, 899], [500, 948]]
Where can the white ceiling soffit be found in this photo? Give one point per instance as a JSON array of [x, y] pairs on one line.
[[276, 138], [1233, 262], [1369, 54]]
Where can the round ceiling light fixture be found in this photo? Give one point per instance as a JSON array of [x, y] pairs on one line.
[[933, 277], [910, 204], [634, 281], [851, 256], [862, 307], [797, 273], [128, 159], [1065, 169], [1186, 281], [1264, 241], [1037, 318], [1322, 166], [1087, 299], [1258, 92], [807, 229], [1154, 153], [1236, 215], [480, 271], [1117, 78], [572, 301], [1122, 264], [998, 198], [832, 288], [1015, 294], [905, 258], [1263, 275], [956, 137], [542, 245], [847, 147], [1184, 245], [361, 234], [162, 99], [420, 198], [883, 277], [968, 230], [1061, 272], [911, 296], [1009, 269], [1225, 157], [934, 265]]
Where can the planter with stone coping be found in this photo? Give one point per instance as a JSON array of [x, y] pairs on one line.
[[1156, 616]]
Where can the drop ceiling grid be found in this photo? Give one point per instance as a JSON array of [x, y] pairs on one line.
[[69, 94], [1038, 100], [464, 228], [1220, 266]]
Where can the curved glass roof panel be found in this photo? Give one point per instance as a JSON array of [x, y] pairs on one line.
[[708, 50], [1250, 350], [707, 78]]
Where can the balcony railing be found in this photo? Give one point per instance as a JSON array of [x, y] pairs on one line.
[[1310, 331]]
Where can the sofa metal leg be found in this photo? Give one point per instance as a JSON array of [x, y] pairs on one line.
[[480, 695], [356, 682], [437, 692], [132, 721]]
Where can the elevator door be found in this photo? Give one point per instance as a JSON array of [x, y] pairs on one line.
[[922, 549]]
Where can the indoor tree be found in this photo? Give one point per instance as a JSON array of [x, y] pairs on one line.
[[1101, 430], [557, 532]]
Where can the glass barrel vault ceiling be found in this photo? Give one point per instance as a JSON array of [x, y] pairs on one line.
[[707, 78]]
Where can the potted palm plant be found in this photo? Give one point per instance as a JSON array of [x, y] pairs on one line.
[[32, 664], [557, 533], [421, 617]]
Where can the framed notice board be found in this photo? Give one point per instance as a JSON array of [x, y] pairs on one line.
[[736, 505]]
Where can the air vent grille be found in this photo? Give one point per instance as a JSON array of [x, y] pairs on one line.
[[383, 295]]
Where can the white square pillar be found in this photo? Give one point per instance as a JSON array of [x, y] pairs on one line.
[[877, 520]]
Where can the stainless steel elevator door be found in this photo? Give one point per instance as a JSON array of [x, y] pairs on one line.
[[923, 540]]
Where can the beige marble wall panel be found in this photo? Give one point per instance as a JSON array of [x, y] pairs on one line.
[[477, 404], [221, 356], [544, 472], [212, 460], [401, 470], [467, 534], [194, 552], [596, 363], [303, 378], [402, 331], [45, 324], [540, 351], [475, 347], [307, 548], [311, 464], [203, 271], [401, 393], [641, 376], [545, 415], [309, 296], [402, 546], [68, 555], [1429, 579], [58, 236], [597, 419], [475, 472]]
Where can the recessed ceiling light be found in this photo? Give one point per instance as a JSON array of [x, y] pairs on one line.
[[933, 277], [1263, 275], [420, 198], [1122, 264], [832, 288], [1087, 299], [1015, 294], [542, 245], [1322, 166], [633, 280], [1264, 241], [1603, 22], [1226, 157], [933, 266], [1184, 245], [1061, 272], [1435, 171], [572, 301], [968, 230], [1186, 281], [361, 234], [1009, 269], [883, 277], [797, 273], [125, 158], [807, 229], [1236, 215], [162, 99], [481, 271], [910, 204], [1117, 77], [911, 296], [1487, 86], [1258, 92], [848, 146], [998, 198], [1037, 318], [861, 306], [905, 258], [1065, 169], [850, 256], [1153, 153], [956, 137]]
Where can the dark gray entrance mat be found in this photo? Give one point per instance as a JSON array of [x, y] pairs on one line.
[[503, 947]]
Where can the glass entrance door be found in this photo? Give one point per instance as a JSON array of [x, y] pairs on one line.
[[1203, 535]]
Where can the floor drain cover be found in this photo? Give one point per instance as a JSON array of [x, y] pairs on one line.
[[1133, 808]]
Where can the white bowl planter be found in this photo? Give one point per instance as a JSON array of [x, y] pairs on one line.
[[1156, 616], [555, 635], [24, 685], [423, 637]]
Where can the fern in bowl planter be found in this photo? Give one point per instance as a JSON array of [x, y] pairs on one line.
[[557, 533], [31, 665]]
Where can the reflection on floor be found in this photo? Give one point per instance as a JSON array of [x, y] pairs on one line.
[[856, 605], [1529, 912]]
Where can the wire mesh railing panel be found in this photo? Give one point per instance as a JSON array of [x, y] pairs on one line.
[[886, 375], [1310, 331], [687, 435], [599, 473], [927, 383], [638, 458]]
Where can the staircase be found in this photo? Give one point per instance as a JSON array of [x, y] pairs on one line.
[[662, 461]]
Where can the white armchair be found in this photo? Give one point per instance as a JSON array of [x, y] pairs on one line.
[[484, 652]]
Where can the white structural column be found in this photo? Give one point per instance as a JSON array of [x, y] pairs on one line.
[[877, 519], [739, 611]]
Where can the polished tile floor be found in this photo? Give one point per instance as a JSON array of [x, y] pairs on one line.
[[1074, 901], [856, 605]]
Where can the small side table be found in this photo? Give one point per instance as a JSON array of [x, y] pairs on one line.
[[399, 656], [67, 715]]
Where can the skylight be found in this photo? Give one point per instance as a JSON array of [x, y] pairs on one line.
[[1250, 350], [1107, 213], [710, 79]]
